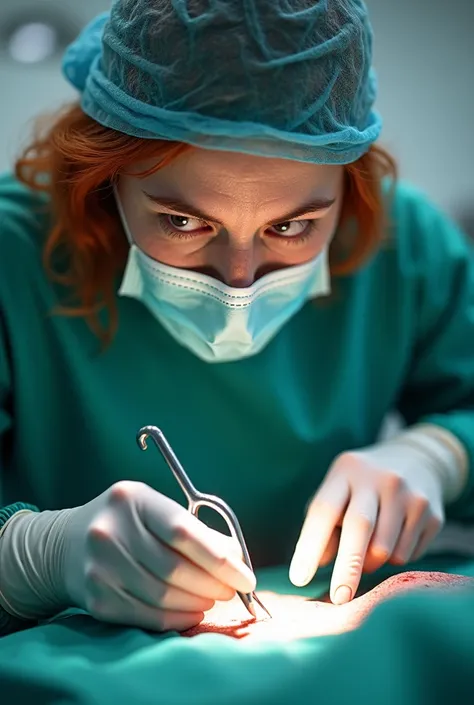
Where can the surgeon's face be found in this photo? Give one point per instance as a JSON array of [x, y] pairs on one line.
[[232, 216]]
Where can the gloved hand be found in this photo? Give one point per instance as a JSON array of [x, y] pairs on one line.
[[383, 503], [131, 556]]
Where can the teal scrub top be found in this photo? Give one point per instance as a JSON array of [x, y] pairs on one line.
[[261, 432]]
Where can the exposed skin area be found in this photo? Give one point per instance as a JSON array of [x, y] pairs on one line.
[[295, 617]]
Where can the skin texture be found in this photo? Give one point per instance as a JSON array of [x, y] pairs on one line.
[[244, 195], [295, 617]]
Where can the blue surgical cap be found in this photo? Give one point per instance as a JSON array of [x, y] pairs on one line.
[[277, 78]]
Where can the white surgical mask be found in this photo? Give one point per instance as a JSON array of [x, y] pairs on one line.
[[219, 323]]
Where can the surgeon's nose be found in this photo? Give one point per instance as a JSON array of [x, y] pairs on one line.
[[240, 268]]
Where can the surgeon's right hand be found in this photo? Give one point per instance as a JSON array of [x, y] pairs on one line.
[[131, 556], [137, 557]]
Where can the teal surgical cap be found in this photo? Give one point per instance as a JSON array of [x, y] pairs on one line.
[[275, 78]]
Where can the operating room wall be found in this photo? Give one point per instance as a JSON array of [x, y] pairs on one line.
[[425, 62]]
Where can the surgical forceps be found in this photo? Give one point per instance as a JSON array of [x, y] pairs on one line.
[[197, 499]]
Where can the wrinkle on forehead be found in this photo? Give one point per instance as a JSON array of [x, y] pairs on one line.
[[225, 182]]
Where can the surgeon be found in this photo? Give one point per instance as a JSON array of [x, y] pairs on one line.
[[211, 240]]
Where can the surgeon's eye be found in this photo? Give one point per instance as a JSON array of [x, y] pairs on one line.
[[182, 227], [291, 227], [294, 231]]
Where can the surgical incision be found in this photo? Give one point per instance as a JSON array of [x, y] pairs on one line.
[[296, 617]]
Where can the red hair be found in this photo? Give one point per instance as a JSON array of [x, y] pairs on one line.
[[81, 160]]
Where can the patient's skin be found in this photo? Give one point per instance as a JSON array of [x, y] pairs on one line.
[[297, 617]]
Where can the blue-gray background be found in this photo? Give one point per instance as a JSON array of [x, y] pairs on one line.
[[424, 55]]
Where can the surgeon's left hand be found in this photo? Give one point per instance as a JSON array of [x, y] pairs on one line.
[[381, 504]]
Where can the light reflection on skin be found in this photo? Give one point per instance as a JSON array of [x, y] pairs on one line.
[[296, 617]]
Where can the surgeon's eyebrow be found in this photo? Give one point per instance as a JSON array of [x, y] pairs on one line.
[[180, 208]]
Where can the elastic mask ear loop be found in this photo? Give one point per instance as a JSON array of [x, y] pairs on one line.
[[122, 216]]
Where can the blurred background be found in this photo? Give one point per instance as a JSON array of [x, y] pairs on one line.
[[424, 56]]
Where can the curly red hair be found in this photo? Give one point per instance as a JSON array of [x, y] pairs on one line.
[[81, 160]]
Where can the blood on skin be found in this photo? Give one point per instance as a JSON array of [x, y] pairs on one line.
[[296, 617]]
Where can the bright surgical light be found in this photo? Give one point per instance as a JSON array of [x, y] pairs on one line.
[[33, 42]]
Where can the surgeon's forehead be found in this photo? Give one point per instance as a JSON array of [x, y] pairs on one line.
[[207, 173]]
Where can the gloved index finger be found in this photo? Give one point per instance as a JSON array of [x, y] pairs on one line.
[[190, 537], [321, 519], [218, 557], [228, 543]]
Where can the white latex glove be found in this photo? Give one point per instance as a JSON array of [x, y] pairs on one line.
[[131, 556], [381, 504]]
